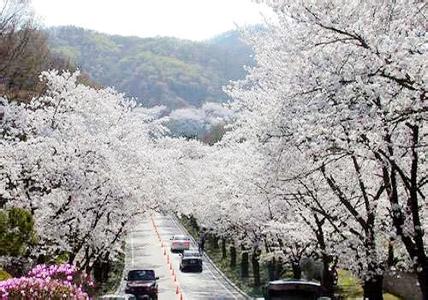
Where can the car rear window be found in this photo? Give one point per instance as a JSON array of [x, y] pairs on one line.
[[181, 237], [191, 253], [141, 275]]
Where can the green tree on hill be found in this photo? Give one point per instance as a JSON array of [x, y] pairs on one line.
[[158, 71]]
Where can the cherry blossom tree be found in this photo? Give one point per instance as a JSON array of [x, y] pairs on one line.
[[81, 161], [345, 85]]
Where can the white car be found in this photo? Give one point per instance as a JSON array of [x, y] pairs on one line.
[[180, 243]]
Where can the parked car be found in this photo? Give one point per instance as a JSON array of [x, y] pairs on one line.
[[191, 260], [142, 284], [118, 297], [293, 290], [180, 243]]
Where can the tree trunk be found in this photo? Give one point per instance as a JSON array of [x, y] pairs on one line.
[[102, 268], [391, 260], [97, 271], [278, 269], [41, 259], [297, 270], [223, 249], [256, 267], [107, 269], [423, 281], [414, 245], [373, 288], [194, 224], [232, 256], [271, 269], [329, 276], [71, 258], [213, 241], [244, 265]]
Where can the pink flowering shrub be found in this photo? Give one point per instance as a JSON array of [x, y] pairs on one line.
[[48, 282], [64, 273]]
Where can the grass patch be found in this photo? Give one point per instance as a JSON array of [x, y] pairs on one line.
[[349, 285], [388, 296], [245, 284], [4, 275]]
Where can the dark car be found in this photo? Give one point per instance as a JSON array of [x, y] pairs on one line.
[[293, 290], [191, 260], [142, 284]]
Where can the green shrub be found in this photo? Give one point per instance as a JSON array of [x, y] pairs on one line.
[[16, 231]]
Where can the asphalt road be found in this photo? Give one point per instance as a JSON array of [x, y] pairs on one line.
[[148, 247]]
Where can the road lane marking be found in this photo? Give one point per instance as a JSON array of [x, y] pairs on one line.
[[222, 283], [211, 292]]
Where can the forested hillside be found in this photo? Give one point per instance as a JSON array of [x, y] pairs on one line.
[[160, 70]]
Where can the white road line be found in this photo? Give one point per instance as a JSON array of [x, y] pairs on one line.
[[222, 283], [210, 292], [218, 279]]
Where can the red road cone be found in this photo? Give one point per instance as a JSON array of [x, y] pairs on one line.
[[164, 251], [181, 296], [177, 291], [170, 266], [175, 278], [167, 259], [172, 272]]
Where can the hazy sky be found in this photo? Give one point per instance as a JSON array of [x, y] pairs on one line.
[[189, 19]]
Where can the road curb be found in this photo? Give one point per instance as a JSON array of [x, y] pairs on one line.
[[175, 220]]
